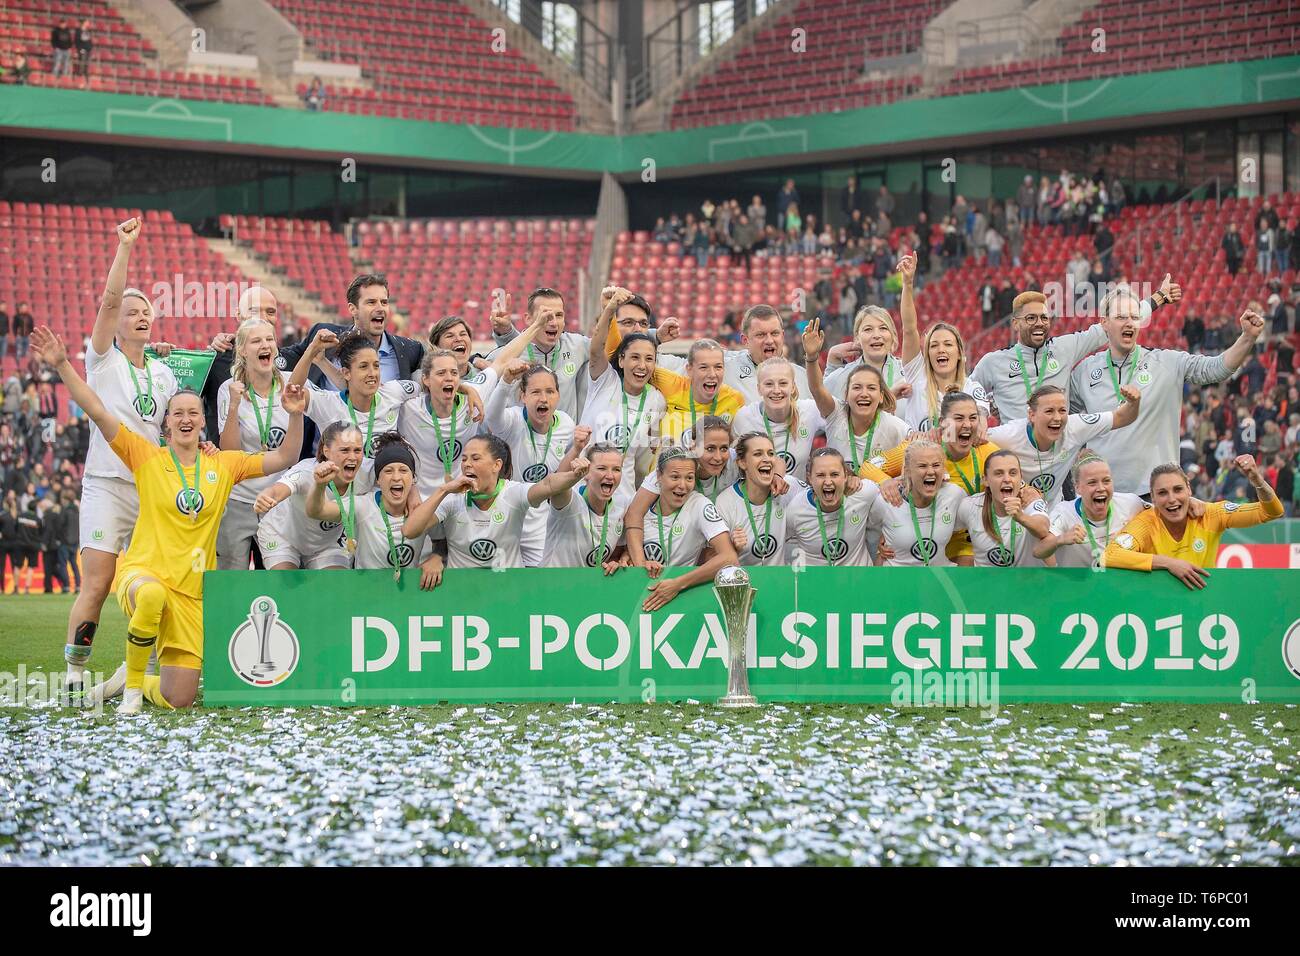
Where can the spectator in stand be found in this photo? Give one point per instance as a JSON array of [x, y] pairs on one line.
[[1254, 373], [793, 222], [1265, 245], [1027, 198], [1193, 332], [4, 332], [851, 200], [757, 213], [68, 544], [1270, 441], [1031, 283], [23, 324], [697, 244], [857, 227], [51, 519], [1118, 197], [885, 202], [1078, 273], [1006, 299], [314, 98], [1104, 241], [988, 301], [787, 197], [1233, 248], [743, 237], [61, 42], [993, 245], [707, 209], [29, 540], [1282, 253], [1015, 239], [85, 43], [1245, 438], [1293, 255], [959, 211], [1277, 317], [951, 247], [979, 227], [1098, 275], [884, 224]]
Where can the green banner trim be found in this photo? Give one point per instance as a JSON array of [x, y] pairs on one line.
[[256, 128], [823, 634]]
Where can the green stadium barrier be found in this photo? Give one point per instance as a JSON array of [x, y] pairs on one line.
[[172, 122], [889, 635]]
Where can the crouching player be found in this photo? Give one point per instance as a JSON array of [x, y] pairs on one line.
[[183, 494]]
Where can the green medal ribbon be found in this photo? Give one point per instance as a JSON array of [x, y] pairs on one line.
[[532, 437], [821, 527], [547, 360], [1114, 378], [446, 448], [997, 533], [713, 410], [665, 542], [630, 432], [853, 440], [263, 427], [598, 549], [473, 496], [189, 494], [712, 495], [392, 544], [1024, 373], [135, 380], [348, 515], [767, 517], [370, 425], [1087, 526], [767, 425], [971, 489], [916, 525]]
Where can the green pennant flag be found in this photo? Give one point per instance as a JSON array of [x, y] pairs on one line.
[[190, 366]]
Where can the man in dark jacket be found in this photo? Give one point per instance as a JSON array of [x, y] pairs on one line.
[[51, 545], [71, 514], [61, 43], [1194, 332], [850, 199], [1233, 248]]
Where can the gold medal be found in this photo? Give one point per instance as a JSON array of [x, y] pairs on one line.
[[352, 545], [397, 575], [194, 517]]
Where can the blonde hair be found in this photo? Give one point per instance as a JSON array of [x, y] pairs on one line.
[[238, 364], [792, 425], [876, 312], [914, 448], [1106, 307], [932, 394]]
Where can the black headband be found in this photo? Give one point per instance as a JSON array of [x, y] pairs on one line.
[[395, 452]]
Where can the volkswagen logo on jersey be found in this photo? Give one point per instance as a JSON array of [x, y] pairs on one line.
[[710, 514], [925, 549], [788, 458], [1090, 418], [1001, 558], [617, 434], [483, 549], [369, 447], [405, 555], [144, 406], [189, 501], [478, 379], [835, 549], [275, 437], [591, 559], [1044, 482], [764, 546], [1096, 374], [653, 552], [449, 450], [535, 473], [329, 525]]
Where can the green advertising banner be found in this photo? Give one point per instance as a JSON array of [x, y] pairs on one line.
[[190, 366], [907, 636]]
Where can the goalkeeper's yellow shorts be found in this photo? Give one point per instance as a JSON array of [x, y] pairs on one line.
[[180, 632]]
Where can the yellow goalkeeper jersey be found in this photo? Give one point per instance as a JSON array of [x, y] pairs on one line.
[[1147, 534]]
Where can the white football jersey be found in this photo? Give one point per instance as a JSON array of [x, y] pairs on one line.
[[372, 541], [624, 420], [250, 435], [441, 442], [936, 522], [887, 431], [577, 537], [765, 531], [326, 407], [792, 448], [1047, 469], [1001, 551], [289, 520], [485, 539], [676, 541], [845, 541], [915, 409], [137, 397], [1069, 514]]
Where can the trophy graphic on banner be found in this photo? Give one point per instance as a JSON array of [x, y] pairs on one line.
[[735, 596], [263, 614]]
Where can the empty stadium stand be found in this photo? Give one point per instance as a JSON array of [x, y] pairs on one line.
[[1149, 35], [442, 267], [305, 250], [436, 64], [765, 79], [122, 61], [56, 257]]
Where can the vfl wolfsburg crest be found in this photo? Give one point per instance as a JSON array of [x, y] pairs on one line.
[[925, 549], [405, 555], [835, 549], [570, 369], [1044, 482], [535, 473], [764, 546], [1053, 366], [264, 649], [145, 406], [1001, 558], [1144, 376], [483, 549]]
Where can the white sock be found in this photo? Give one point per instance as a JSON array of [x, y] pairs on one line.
[[132, 700], [76, 674]]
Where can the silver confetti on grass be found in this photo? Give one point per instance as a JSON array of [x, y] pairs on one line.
[[666, 784]]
